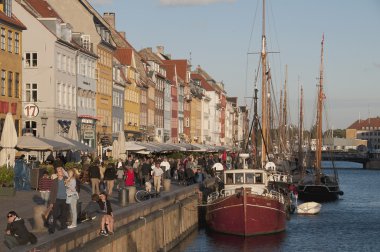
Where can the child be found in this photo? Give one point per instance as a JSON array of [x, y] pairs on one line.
[[44, 186]]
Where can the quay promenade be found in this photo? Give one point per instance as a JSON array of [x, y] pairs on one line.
[[24, 203]]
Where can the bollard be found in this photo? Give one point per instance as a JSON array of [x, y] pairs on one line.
[[123, 200], [167, 183], [131, 194], [37, 217]]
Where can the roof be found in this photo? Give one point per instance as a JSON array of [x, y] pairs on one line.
[[170, 72], [43, 9], [13, 21], [124, 55], [204, 83], [181, 67], [148, 55], [369, 122]]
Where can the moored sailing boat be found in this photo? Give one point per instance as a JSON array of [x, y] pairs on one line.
[[249, 204], [318, 186]]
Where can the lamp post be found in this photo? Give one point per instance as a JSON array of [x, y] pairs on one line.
[[44, 119]]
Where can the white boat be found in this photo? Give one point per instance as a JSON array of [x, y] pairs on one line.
[[309, 208]]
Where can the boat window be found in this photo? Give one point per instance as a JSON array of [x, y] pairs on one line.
[[229, 178], [249, 178], [239, 178], [258, 178]]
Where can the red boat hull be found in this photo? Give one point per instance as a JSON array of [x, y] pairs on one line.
[[246, 215]]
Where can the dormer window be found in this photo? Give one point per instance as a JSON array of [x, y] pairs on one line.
[[85, 40], [7, 7]]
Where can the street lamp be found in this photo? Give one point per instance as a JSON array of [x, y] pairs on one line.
[[44, 119]]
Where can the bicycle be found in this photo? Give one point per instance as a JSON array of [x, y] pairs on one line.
[[143, 195]]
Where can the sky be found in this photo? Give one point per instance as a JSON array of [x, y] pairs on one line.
[[222, 36]]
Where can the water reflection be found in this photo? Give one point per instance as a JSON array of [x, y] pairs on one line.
[[212, 241]]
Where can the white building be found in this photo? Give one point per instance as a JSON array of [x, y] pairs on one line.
[[49, 72]]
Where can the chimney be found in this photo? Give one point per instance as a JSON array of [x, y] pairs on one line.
[[122, 33], [160, 49], [109, 17]]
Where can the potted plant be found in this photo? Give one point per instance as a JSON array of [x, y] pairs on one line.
[[7, 181]]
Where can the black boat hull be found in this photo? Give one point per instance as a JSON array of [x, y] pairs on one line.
[[318, 193]]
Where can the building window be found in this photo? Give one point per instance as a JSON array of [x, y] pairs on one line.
[[59, 61], [17, 43], [10, 84], [31, 127], [2, 40], [17, 85], [86, 42], [9, 41], [3, 74], [31, 92], [31, 59], [64, 63]]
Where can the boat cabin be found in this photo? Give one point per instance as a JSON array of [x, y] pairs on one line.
[[234, 180]]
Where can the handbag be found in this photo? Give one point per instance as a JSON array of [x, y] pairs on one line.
[[71, 197]]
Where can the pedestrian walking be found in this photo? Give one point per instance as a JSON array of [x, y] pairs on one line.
[[157, 176], [109, 178], [94, 174]]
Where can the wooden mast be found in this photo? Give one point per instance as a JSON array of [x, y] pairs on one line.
[[318, 152], [300, 138], [264, 92]]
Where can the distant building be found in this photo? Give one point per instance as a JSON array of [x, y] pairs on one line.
[[339, 143], [368, 130]]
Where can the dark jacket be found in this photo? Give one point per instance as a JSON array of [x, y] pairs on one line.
[[102, 207], [92, 209], [54, 191], [110, 173], [18, 230], [146, 169], [94, 171]]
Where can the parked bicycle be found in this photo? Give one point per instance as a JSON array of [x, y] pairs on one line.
[[143, 195]]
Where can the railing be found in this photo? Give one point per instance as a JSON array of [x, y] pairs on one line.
[[228, 192]]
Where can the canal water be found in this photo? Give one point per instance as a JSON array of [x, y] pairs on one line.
[[350, 224]]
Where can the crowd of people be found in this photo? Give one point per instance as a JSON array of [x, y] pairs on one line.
[[61, 190]]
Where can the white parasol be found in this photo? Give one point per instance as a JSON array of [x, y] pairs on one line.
[[73, 132], [121, 147], [115, 149], [8, 142]]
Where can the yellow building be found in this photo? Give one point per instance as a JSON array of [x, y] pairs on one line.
[[10, 65], [132, 95], [104, 90], [195, 119]]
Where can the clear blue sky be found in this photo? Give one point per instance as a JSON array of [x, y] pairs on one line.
[[218, 35]]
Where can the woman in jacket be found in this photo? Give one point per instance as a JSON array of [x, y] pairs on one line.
[[72, 196], [107, 218]]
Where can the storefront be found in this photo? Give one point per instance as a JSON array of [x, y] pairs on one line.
[[87, 130]]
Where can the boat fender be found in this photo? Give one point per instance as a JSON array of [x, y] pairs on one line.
[[341, 193]]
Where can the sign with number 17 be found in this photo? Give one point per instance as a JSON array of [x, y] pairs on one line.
[[31, 110]]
